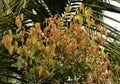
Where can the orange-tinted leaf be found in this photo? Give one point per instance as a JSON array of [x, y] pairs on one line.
[[18, 23]]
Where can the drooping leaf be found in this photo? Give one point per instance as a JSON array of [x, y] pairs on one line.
[[19, 62], [75, 52], [92, 42], [33, 51]]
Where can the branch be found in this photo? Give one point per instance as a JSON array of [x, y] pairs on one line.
[[20, 79]]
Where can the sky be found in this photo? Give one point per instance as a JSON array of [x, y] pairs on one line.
[[113, 15]]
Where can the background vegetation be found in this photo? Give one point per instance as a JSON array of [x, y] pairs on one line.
[[11, 20]]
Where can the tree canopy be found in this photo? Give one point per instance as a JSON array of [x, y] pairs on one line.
[[28, 24]]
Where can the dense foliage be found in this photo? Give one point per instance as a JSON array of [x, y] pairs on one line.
[[64, 51]]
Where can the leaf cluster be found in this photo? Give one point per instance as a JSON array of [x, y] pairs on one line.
[[62, 54]]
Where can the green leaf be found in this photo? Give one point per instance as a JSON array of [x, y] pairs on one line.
[[70, 34], [52, 62], [19, 62], [92, 42], [75, 52], [29, 75], [80, 18], [63, 31], [33, 52], [73, 72]]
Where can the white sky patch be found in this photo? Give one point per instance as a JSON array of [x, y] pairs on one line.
[[113, 15]]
